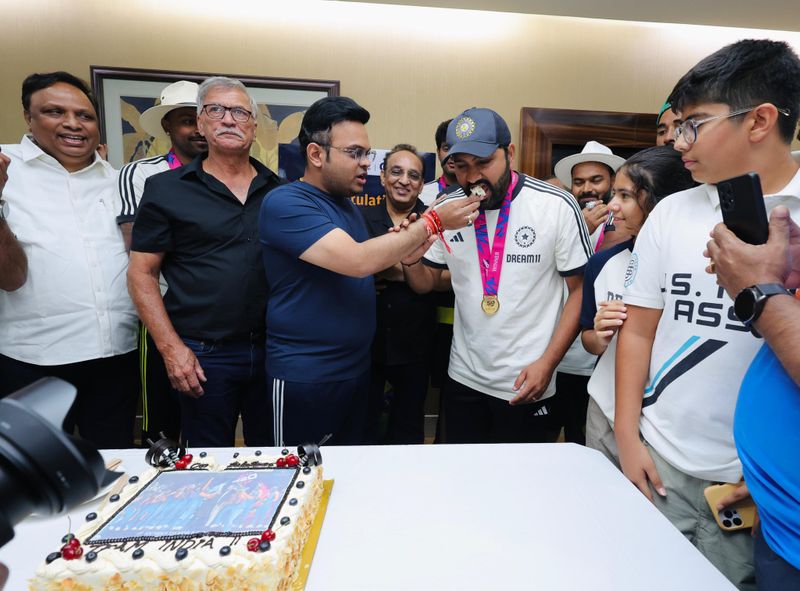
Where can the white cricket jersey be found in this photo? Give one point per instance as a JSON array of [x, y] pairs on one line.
[[546, 240]]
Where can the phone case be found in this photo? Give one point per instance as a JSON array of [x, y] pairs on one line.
[[740, 515], [743, 210]]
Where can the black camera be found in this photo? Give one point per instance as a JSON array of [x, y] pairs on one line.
[[42, 468]]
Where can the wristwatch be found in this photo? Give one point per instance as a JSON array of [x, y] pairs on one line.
[[749, 302]]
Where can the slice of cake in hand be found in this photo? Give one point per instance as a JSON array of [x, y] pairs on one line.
[[203, 528]]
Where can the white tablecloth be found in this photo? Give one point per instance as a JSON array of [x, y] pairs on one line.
[[445, 517]]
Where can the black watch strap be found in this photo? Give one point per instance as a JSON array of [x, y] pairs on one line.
[[749, 303]]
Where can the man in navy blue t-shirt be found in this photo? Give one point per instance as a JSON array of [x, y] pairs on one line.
[[319, 263]]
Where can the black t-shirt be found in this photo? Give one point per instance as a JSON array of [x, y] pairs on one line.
[[405, 320], [212, 258]]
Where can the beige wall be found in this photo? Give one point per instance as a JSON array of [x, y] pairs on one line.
[[411, 67]]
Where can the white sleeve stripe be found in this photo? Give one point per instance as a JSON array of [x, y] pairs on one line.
[[127, 192], [570, 200]]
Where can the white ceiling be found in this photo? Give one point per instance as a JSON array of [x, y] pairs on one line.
[[782, 15]]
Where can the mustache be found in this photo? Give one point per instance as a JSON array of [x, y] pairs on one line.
[[235, 132]]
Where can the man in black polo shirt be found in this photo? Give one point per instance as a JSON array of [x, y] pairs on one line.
[[198, 225], [405, 320]]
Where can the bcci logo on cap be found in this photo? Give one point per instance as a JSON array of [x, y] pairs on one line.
[[465, 127]]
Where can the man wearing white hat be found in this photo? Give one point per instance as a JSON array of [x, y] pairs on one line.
[[589, 176], [175, 117]]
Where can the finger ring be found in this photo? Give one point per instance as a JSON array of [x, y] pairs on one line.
[[712, 266], [469, 220]]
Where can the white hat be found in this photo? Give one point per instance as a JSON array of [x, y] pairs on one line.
[[592, 152], [175, 96]]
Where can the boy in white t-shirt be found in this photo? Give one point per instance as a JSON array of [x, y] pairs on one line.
[[682, 352]]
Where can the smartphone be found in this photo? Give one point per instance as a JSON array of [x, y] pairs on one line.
[[743, 210], [740, 515]]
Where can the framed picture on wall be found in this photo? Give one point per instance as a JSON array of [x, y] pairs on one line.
[[124, 94]]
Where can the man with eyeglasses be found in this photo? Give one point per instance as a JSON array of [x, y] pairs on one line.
[[405, 321], [682, 351], [198, 224], [319, 262]]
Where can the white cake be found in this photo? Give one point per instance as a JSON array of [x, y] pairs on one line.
[[188, 530]]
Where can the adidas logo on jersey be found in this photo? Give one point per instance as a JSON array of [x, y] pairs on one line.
[[457, 238], [541, 412]]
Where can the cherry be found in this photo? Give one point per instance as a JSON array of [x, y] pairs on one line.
[[187, 458], [71, 553], [281, 462], [252, 544], [181, 465], [74, 543], [292, 460], [268, 535]]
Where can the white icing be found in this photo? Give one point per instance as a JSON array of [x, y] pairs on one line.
[[203, 569]]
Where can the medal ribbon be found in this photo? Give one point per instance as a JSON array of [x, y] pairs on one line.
[[172, 160], [442, 184], [491, 261]]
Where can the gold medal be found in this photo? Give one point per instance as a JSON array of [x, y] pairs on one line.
[[490, 304]]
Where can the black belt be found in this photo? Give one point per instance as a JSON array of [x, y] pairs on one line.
[[258, 337]]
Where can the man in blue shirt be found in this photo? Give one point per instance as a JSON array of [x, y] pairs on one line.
[[768, 410], [319, 263]]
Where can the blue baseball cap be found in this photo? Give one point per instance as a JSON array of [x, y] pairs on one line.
[[478, 132]]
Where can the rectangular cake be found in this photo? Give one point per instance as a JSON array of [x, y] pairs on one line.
[[202, 528]]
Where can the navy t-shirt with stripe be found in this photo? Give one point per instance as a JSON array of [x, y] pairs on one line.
[[320, 324]]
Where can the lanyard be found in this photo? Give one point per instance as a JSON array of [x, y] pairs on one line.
[[490, 260], [172, 160]]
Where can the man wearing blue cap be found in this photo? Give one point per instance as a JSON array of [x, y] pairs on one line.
[[508, 271]]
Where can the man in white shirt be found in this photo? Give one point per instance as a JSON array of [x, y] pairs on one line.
[[72, 318], [431, 190], [511, 326], [589, 175], [174, 117], [682, 352]]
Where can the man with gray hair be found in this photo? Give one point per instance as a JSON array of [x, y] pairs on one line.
[[198, 225]]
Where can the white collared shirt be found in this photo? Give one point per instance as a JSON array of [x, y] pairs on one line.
[[74, 305]]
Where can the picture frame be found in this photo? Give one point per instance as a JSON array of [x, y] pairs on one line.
[[123, 94]]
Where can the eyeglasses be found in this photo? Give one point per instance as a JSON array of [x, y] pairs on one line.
[[217, 112], [688, 129], [357, 154], [413, 175]]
